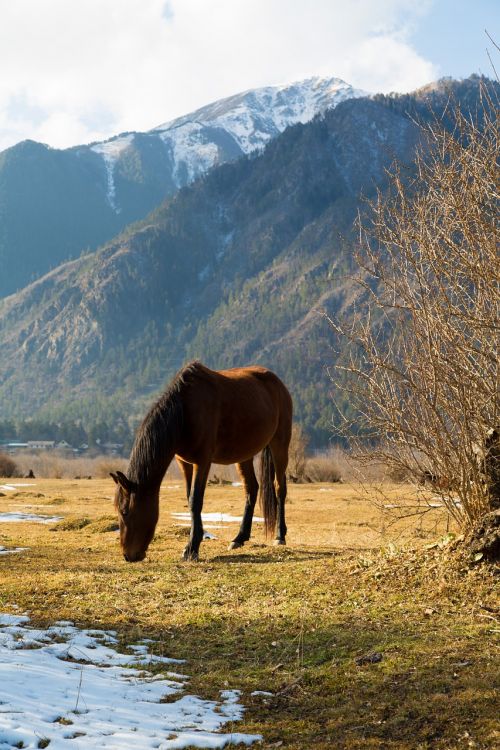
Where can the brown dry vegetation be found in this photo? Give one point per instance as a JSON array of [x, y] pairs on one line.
[[292, 621]]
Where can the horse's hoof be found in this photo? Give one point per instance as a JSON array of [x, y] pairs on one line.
[[193, 557], [235, 545], [189, 555], [278, 542]]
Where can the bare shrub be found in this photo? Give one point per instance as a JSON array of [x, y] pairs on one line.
[[8, 467], [104, 466], [297, 453], [323, 468], [53, 465], [423, 366]]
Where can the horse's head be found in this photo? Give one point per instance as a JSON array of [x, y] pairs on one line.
[[138, 515]]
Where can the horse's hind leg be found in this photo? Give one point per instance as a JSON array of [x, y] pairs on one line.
[[279, 450], [187, 470], [247, 474], [281, 533]]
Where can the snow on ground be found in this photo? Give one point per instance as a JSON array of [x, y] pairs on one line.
[[11, 551], [216, 518], [72, 688], [33, 517], [11, 487]]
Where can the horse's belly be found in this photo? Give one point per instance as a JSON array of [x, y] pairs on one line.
[[234, 457], [234, 450], [227, 449]]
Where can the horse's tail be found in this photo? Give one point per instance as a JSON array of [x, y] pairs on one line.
[[268, 499]]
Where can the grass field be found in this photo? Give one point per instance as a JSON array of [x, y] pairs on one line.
[[367, 632]]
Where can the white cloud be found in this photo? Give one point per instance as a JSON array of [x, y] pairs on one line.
[[80, 71]]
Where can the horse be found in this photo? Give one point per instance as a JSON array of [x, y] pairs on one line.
[[205, 416]]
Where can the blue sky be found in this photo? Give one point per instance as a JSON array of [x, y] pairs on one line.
[[74, 71], [452, 35]]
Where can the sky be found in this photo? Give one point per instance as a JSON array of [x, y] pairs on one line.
[[76, 71]]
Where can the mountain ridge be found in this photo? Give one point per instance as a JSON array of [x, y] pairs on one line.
[[228, 270], [58, 203]]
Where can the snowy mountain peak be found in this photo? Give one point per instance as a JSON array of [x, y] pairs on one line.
[[253, 117], [224, 130]]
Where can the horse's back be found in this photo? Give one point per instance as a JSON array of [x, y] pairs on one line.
[[238, 410], [253, 382]]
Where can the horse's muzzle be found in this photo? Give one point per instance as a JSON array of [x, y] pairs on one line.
[[134, 558]]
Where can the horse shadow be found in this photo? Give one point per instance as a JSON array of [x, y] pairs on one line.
[[274, 556]]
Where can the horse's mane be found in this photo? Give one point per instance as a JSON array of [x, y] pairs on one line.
[[159, 432]]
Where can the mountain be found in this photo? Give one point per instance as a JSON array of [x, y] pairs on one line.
[[231, 269], [56, 204]]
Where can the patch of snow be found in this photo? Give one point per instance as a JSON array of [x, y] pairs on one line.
[[262, 692], [192, 151], [11, 551], [216, 517], [110, 152], [20, 517], [205, 526], [63, 683], [10, 487]]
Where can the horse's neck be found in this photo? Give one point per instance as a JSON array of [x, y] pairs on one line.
[[157, 440], [150, 476], [148, 466]]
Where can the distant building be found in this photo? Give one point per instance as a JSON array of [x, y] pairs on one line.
[[63, 445], [40, 445], [14, 446]]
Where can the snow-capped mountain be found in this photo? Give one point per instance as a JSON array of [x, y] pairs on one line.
[[250, 119], [54, 203], [228, 128]]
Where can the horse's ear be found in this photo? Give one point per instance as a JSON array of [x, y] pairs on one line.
[[124, 482]]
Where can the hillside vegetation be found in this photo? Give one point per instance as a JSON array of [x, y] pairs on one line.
[[231, 270]]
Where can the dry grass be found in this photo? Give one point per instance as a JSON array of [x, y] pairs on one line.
[[292, 620], [60, 465]]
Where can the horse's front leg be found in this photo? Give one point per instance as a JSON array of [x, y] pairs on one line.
[[200, 475]]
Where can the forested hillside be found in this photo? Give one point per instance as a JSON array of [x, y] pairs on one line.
[[233, 269]]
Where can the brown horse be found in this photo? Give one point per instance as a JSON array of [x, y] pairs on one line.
[[207, 416]]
